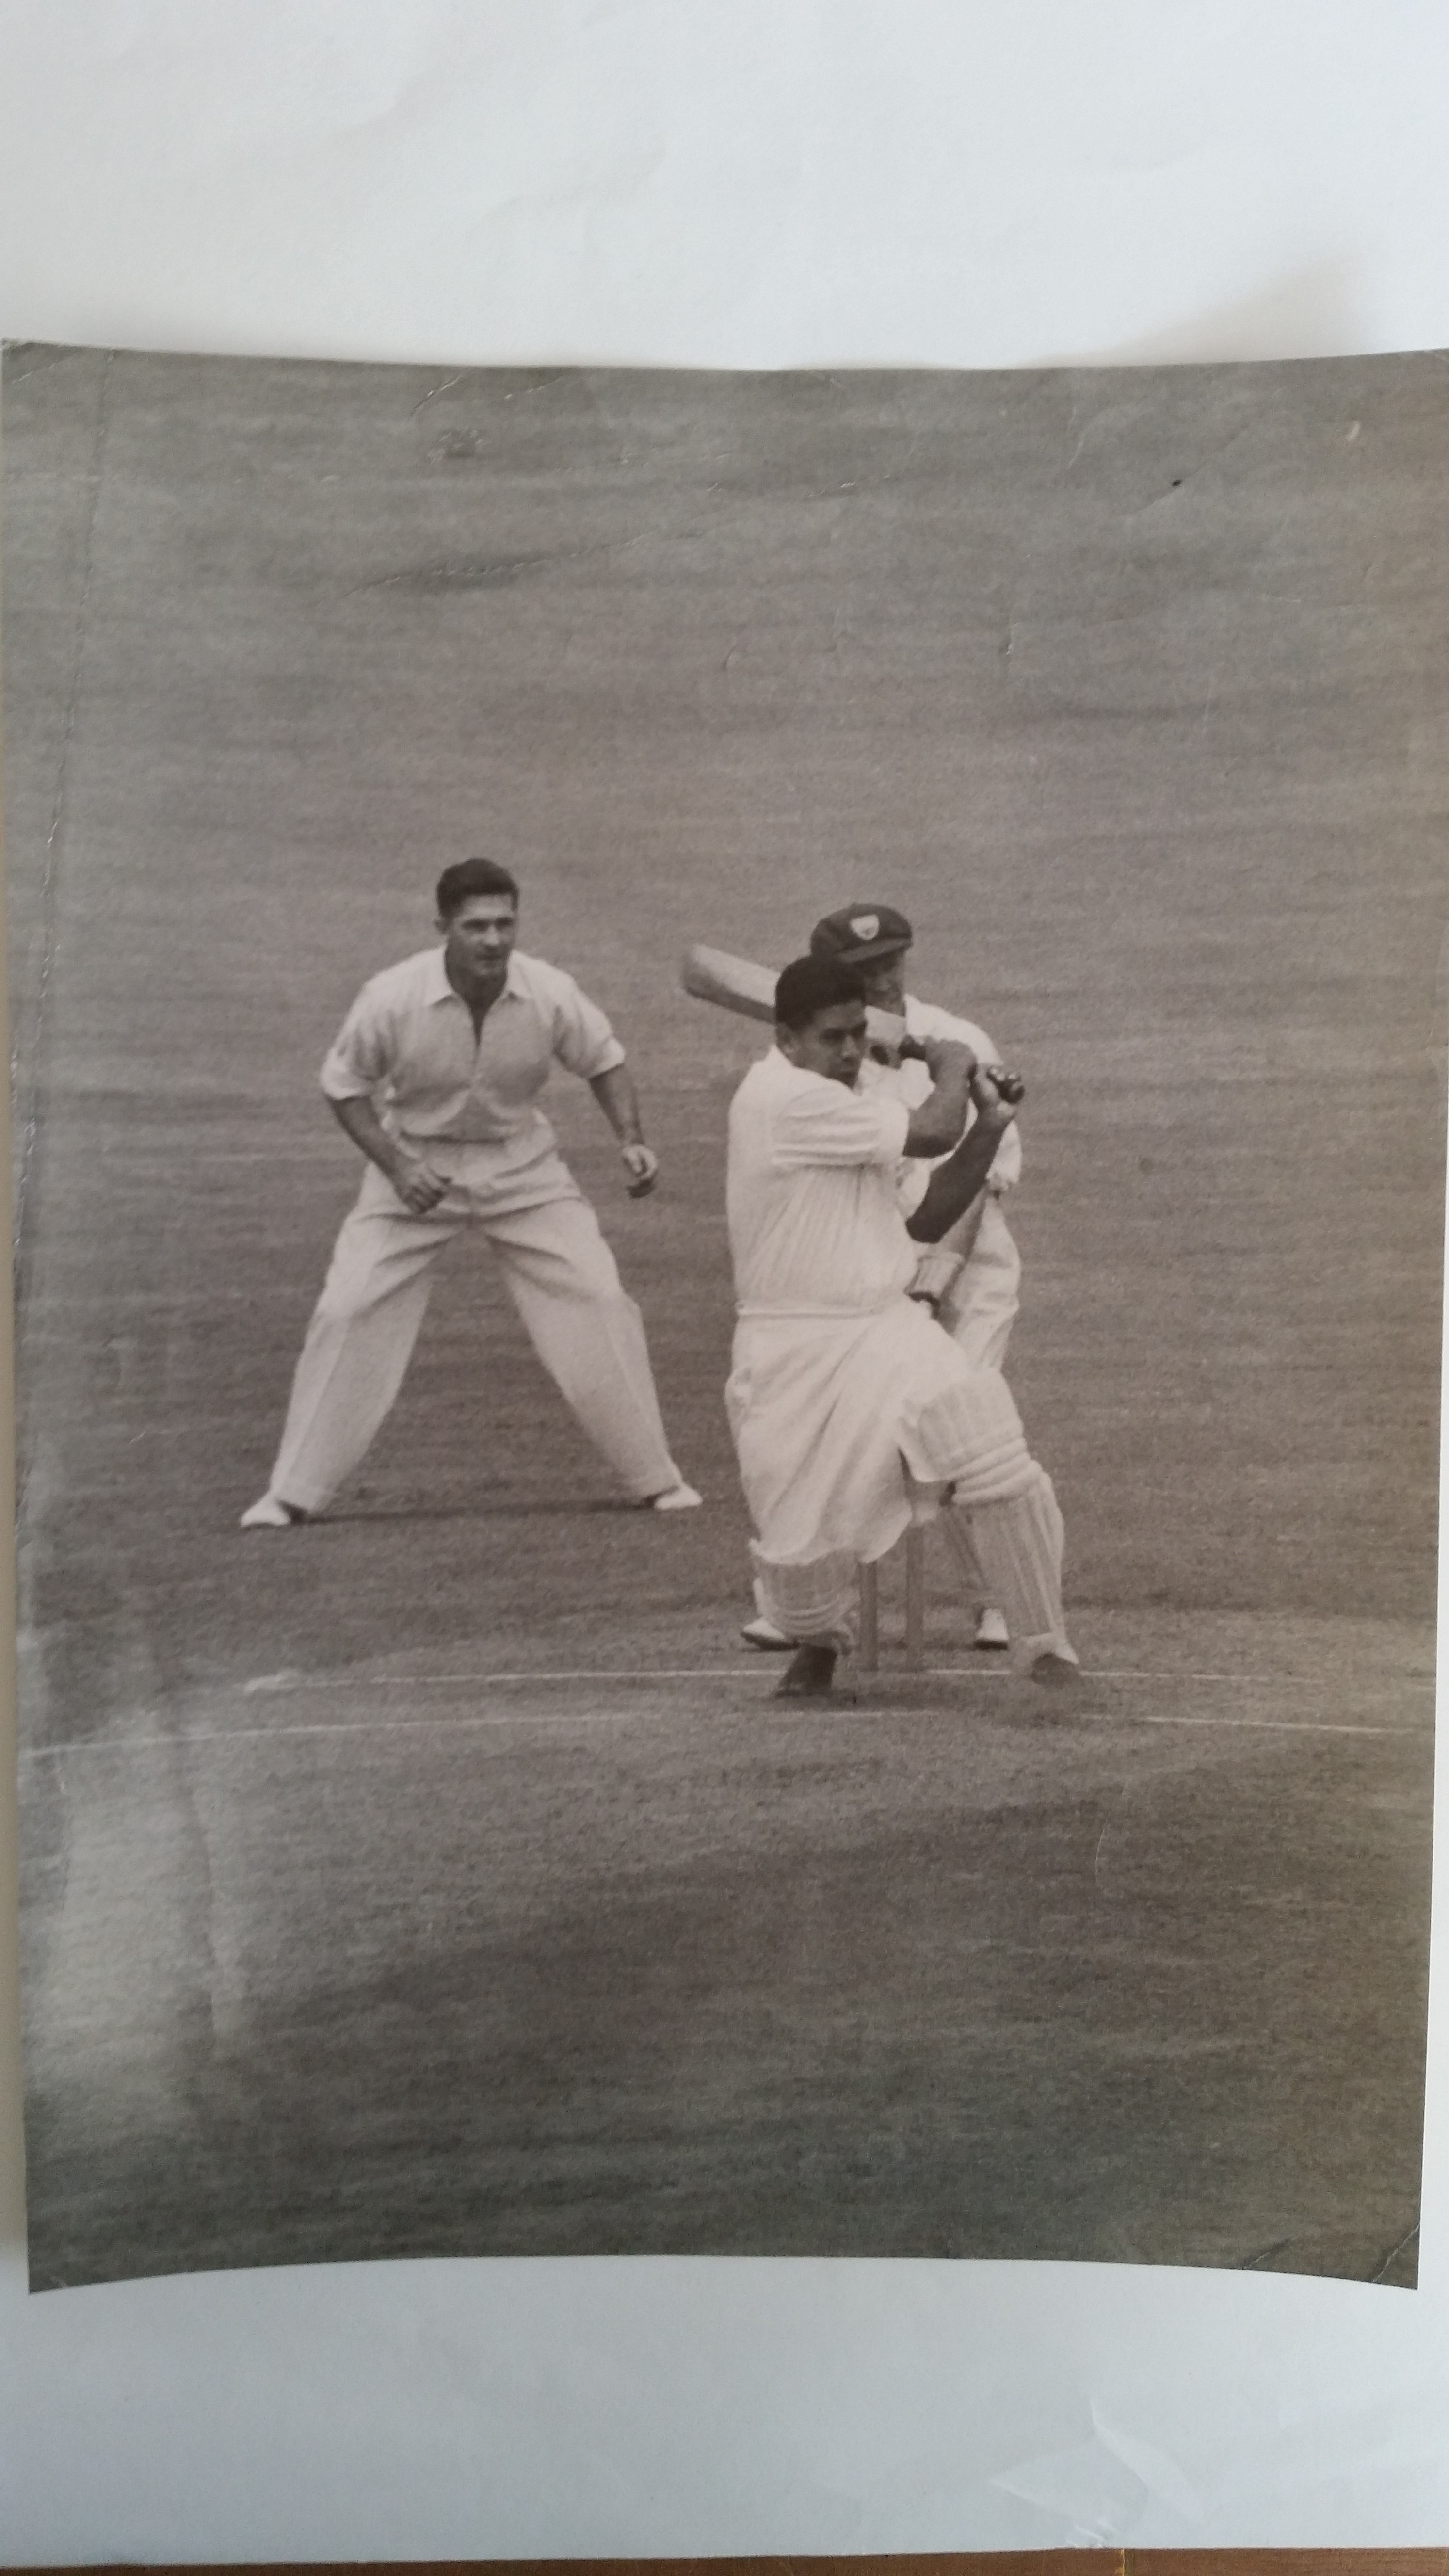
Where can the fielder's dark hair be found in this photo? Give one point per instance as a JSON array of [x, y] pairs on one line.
[[811, 984], [467, 877]]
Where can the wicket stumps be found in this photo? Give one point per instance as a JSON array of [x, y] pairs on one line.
[[868, 1654]]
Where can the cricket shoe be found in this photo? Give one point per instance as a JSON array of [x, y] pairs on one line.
[[272, 1513], [992, 1634], [765, 1637], [762, 1632], [809, 1675], [1056, 1672], [677, 1498]]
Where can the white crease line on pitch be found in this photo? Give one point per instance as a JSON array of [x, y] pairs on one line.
[[337, 1726], [453, 1722], [286, 1685], [289, 1688], [1239, 1681], [1263, 1725]]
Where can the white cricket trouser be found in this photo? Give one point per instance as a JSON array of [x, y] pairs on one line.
[[978, 1314], [563, 1280], [964, 1439], [984, 1302]]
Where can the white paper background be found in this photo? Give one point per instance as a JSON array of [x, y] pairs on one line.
[[728, 183]]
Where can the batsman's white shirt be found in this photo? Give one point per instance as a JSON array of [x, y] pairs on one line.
[[811, 1194], [834, 1367], [408, 1043]]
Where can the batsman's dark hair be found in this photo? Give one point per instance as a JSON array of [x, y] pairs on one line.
[[467, 877], [811, 984]]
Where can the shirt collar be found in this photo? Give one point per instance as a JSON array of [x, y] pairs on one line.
[[438, 989], [436, 985]]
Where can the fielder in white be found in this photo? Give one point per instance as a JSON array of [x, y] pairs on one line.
[[435, 1076], [975, 1272], [852, 1412]]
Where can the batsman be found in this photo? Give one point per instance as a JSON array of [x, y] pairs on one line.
[[971, 1278], [853, 1415]]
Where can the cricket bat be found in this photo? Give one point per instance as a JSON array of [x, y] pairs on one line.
[[738, 984]]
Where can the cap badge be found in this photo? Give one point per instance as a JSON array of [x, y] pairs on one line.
[[864, 925]]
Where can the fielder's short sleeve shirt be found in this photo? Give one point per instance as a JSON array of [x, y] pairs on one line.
[[813, 1221], [408, 1044]]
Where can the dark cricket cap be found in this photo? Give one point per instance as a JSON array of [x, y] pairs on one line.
[[862, 931]]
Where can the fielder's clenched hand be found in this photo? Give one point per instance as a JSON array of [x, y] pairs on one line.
[[642, 1165], [418, 1186]]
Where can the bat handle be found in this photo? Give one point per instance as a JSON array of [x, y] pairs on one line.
[[1010, 1085]]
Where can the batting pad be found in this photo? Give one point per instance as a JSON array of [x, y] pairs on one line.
[[968, 1434], [957, 1528], [1018, 1546], [814, 1603]]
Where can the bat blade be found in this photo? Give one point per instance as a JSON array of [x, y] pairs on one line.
[[733, 983], [738, 984]]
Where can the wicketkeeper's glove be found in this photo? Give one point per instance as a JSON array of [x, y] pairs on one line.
[[936, 1275]]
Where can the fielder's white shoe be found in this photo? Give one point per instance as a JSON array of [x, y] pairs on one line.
[[764, 1634], [992, 1632], [679, 1498], [272, 1513]]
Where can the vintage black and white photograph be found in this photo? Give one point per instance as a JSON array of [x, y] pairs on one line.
[[729, 1161]]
